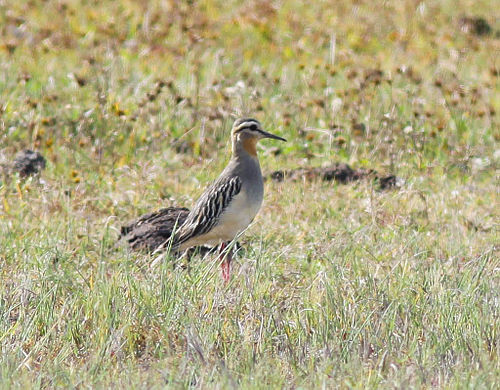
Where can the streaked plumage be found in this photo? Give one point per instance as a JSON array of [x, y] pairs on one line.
[[209, 208], [150, 230]]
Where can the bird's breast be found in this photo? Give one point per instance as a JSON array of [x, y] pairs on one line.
[[240, 212]]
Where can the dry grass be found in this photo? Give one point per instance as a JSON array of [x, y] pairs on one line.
[[338, 285]]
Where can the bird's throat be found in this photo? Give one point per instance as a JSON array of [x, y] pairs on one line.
[[250, 146]]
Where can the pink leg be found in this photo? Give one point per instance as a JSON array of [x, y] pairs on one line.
[[226, 262]]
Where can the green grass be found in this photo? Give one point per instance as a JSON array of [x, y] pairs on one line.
[[338, 286]]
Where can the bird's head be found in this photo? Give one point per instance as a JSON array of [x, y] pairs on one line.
[[247, 132]]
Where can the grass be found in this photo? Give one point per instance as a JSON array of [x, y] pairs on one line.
[[338, 286]]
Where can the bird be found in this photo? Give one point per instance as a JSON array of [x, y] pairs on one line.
[[231, 202]]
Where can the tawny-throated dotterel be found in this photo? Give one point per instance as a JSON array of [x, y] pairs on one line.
[[230, 204]]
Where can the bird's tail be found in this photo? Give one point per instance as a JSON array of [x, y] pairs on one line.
[[171, 244]]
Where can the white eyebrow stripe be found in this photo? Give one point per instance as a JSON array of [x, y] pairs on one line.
[[247, 123]]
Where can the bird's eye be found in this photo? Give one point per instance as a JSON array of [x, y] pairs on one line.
[[253, 127]]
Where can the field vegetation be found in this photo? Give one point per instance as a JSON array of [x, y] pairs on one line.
[[336, 285]]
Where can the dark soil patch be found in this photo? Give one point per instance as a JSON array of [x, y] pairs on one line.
[[28, 163], [338, 172], [475, 25]]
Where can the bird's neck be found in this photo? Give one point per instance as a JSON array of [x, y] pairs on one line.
[[245, 148], [244, 162]]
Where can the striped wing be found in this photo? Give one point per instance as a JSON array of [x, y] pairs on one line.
[[208, 209]]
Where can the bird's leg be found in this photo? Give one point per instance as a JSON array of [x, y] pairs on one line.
[[226, 261]]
